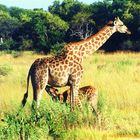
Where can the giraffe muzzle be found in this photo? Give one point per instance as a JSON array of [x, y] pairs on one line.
[[128, 32]]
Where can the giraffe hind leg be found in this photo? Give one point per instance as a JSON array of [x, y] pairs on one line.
[[38, 89], [37, 94]]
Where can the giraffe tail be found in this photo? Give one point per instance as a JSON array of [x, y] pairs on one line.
[[24, 100]]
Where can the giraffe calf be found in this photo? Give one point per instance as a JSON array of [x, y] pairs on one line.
[[89, 93]]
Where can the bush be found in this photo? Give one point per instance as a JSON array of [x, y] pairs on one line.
[[5, 69], [57, 48], [131, 45], [7, 45], [16, 54], [26, 44], [127, 45], [103, 121], [55, 120], [136, 45], [50, 120]]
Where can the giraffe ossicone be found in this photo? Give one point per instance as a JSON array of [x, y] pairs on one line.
[[66, 69]]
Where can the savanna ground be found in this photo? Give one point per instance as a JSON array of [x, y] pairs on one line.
[[117, 78]]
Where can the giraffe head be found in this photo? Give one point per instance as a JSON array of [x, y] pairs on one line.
[[120, 27]]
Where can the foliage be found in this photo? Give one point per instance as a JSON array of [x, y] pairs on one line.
[[7, 44], [65, 10], [40, 30], [52, 119], [57, 121], [56, 48], [8, 24]]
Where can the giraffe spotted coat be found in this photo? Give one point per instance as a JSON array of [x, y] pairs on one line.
[[89, 93], [66, 69]]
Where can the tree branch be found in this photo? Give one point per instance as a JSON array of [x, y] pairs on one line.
[[83, 31]]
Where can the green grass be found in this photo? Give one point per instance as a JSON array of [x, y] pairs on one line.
[[116, 77]]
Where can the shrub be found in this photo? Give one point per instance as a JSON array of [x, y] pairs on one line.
[[5, 69], [103, 120], [16, 54], [50, 120], [7, 44], [56, 48], [27, 44], [127, 45]]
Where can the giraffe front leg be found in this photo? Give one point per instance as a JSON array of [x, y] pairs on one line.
[[74, 81], [75, 101]]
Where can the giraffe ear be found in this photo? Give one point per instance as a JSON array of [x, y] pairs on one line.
[[115, 21], [117, 18]]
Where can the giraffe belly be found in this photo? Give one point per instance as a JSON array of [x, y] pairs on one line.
[[58, 81]]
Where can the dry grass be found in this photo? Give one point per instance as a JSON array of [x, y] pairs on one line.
[[116, 76]]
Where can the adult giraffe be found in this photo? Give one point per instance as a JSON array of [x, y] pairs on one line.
[[65, 69]]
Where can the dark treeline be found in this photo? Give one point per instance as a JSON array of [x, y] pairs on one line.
[[68, 21]]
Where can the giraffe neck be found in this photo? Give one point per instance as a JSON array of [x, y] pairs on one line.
[[82, 49]]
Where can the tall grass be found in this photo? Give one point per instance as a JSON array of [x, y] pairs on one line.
[[116, 77]]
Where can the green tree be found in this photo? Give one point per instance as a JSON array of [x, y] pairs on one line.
[[81, 26], [65, 10], [23, 15], [8, 25], [69, 20], [101, 12], [129, 11], [47, 29], [3, 8]]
